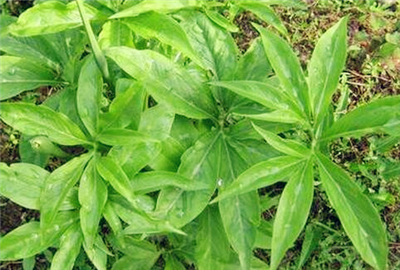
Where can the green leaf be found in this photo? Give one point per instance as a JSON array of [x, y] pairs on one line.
[[254, 64], [165, 81], [169, 32], [221, 20], [50, 17], [113, 173], [96, 254], [54, 51], [136, 248], [90, 88], [26, 240], [125, 263], [391, 171], [114, 34], [359, 217], [215, 47], [325, 67], [152, 181], [310, 243], [125, 110], [29, 155], [264, 234], [142, 252], [19, 74], [292, 213], [155, 5], [172, 263], [39, 120], [286, 146], [265, 13], [29, 263], [157, 122], [134, 157], [97, 52], [263, 93], [140, 223], [70, 246], [287, 68], [260, 175], [112, 219], [285, 3], [57, 186], [211, 241], [240, 213], [22, 183], [382, 115], [198, 163], [92, 197], [114, 136], [279, 116]]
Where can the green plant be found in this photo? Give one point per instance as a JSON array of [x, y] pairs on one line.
[[169, 117]]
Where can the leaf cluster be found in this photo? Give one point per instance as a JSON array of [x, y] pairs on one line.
[[180, 131]]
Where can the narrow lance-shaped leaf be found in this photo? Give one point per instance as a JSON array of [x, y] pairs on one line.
[[285, 3], [22, 183], [263, 93], [260, 175], [215, 47], [114, 136], [382, 115], [71, 242], [156, 180], [155, 5], [278, 116], [326, 64], [292, 213], [40, 120], [172, 263], [115, 33], [211, 242], [254, 64], [90, 88], [134, 157], [288, 69], [140, 222], [26, 241], [289, 147], [125, 110], [113, 173], [221, 20], [241, 213], [198, 164], [359, 217], [98, 54], [92, 197], [50, 17], [169, 32], [265, 13], [166, 82], [57, 186], [96, 254], [112, 219], [19, 74]]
